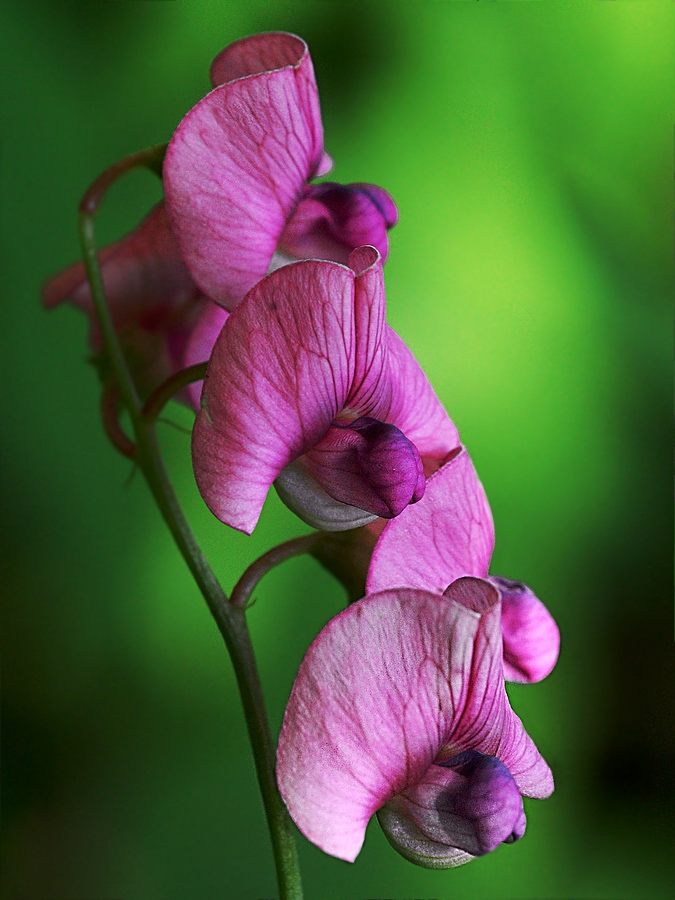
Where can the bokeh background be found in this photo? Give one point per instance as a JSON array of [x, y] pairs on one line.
[[529, 148]]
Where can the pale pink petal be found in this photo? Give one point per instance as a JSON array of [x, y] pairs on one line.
[[380, 694], [369, 465], [333, 219], [237, 165], [531, 636], [201, 342], [279, 375], [449, 533]]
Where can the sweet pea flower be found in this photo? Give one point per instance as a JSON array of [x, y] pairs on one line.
[[307, 372], [399, 708], [237, 205], [451, 534], [237, 169], [161, 317]]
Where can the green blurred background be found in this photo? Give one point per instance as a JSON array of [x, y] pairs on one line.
[[529, 149]]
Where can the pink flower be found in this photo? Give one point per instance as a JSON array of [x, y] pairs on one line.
[[448, 535], [306, 371], [399, 708], [235, 176], [237, 169], [154, 303]]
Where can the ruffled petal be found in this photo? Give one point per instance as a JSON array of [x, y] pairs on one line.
[[279, 375], [377, 697], [370, 465], [333, 219], [446, 535], [369, 392], [237, 165], [487, 722], [531, 636]]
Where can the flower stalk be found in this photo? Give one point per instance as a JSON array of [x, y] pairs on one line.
[[231, 621], [243, 589], [168, 389]]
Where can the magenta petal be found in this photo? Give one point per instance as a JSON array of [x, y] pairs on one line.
[[471, 804], [153, 300], [201, 342], [237, 165], [368, 464], [278, 376], [369, 711], [395, 475], [446, 535], [256, 54], [147, 284], [531, 636], [370, 391], [389, 686], [389, 383], [487, 722], [414, 406], [333, 219]]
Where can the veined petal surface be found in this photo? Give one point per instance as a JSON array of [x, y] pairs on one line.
[[388, 687], [237, 165], [389, 384], [449, 533], [154, 303], [414, 406], [279, 375], [487, 722]]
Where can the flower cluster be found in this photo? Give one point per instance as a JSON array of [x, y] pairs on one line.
[[399, 707]]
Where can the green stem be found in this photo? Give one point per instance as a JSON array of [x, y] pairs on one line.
[[241, 593], [166, 390], [231, 621], [233, 627]]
